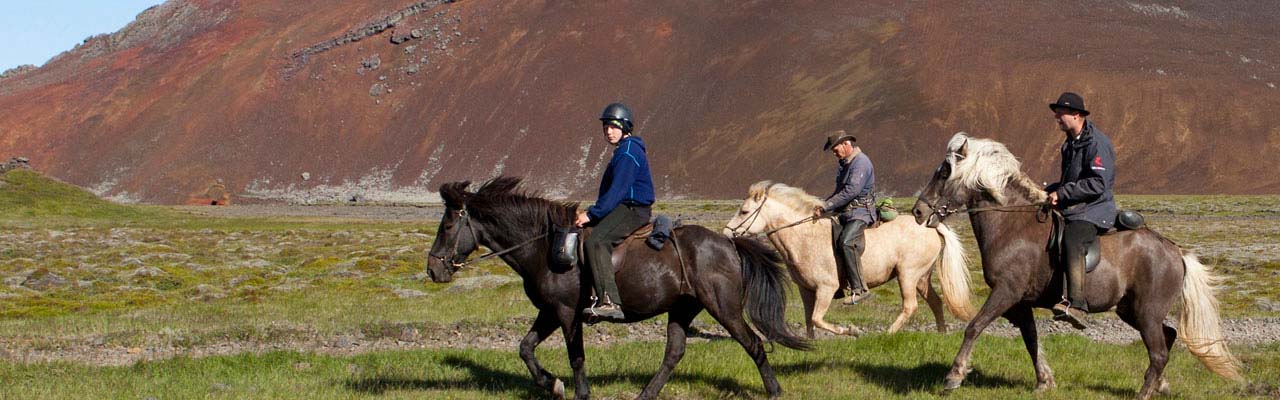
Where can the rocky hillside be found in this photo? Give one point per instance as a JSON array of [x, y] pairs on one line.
[[333, 100]]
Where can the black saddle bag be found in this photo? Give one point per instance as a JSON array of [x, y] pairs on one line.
[[564, 245]]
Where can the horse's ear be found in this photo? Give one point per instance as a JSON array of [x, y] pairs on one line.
[[964, 148], [455, 194]]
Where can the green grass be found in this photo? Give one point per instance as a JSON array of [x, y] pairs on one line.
[[278, 281], [902, 366]]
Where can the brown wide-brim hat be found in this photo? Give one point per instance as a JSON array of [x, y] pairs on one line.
[[1070, 101], [836, 138]]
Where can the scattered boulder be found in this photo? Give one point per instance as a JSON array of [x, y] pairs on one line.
[[480, 282], [371, 63], [145, 272], [376, 90], [409, 293], [42, 279], [15, 163]]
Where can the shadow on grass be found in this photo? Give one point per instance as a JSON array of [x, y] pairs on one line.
[[924, 378], [498, 383]]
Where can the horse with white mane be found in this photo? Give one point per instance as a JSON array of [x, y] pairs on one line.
[[1140, 275], [898, 248]]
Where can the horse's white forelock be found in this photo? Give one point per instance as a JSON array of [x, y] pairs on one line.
[[792, 197], [987, 165]]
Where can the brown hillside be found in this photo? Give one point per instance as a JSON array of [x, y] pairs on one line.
[[260, 95]]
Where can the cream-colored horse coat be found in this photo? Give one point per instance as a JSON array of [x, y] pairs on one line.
[[900, 248]]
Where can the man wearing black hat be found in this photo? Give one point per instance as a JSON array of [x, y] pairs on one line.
[[853, 199], [1084, 195]]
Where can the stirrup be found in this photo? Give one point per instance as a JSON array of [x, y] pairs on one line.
[[1071, 315], [854, 298], [606, 312]]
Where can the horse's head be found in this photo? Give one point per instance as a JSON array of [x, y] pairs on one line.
[[941, 196], [751, 217], [974, 170], [456, 237]]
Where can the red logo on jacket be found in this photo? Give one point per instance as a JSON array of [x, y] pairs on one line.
[[1097, 164]]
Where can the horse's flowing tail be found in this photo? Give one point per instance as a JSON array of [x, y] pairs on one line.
[[954, 274], [766, 292], [1200, 325]]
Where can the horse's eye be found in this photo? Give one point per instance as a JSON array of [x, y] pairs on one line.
[[743, 212]]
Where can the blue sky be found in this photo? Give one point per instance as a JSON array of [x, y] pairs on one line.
[[34, 31]]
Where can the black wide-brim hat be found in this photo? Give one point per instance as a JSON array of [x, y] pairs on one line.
[[836, 138], [1071, 101]]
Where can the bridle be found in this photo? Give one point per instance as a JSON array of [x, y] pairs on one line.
[[740, 229], [466, 220], [942, 211]]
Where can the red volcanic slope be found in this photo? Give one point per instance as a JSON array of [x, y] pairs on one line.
[[251, 95]]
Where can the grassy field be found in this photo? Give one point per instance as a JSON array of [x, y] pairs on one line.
[[902, 366], [326, 308]]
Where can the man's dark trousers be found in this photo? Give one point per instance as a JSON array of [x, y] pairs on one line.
[[849, 244], [1077, 237], [615, 226]]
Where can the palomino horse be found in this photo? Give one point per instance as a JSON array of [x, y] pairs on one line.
[[1140, 275], [698, 269], [898, 248]]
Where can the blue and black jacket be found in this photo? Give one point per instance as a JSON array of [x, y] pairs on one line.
[[626, 180]]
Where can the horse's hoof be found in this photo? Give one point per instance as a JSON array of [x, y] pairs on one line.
[[1045, 386], [1164, 387], [557, 389], [951, 384]]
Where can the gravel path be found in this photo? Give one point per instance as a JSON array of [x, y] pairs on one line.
[[1248, 331]]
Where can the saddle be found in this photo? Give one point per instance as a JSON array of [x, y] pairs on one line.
[[655, 234], [1126, 220]]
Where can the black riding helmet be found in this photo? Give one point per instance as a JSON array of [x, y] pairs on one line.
[[620, 113]]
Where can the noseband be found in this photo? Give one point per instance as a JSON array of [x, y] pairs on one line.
[[466, 220]]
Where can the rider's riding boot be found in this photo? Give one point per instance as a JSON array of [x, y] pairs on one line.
[[1073, 311], [851, 246], [607, 310]]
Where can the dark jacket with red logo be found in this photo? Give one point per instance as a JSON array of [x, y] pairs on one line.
[[1088, 174]]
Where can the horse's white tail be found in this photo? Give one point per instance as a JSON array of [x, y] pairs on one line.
[[954, 274], [1200, 325]]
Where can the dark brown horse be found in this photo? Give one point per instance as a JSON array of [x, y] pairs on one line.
[[1141, 273], [701, 270]]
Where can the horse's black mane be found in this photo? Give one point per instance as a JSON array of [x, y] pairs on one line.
[[502, 202]]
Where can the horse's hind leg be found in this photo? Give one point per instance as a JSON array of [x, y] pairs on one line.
[[543, 326], [1024, 319], [934, 301], [678, 321], [730, 316], [1158, 339]]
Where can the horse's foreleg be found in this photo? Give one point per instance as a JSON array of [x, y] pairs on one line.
[[822, 301], [1024, 319], [677, 323], [577, 358], [543, 326], [909, 302], [806, 297], [999, 301], [931, 297]]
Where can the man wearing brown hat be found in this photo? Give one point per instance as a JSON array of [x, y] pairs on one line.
[[1084, 195], [853, 200]]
